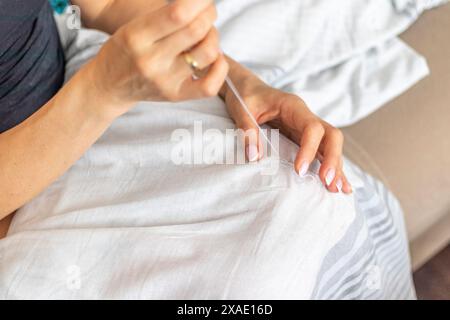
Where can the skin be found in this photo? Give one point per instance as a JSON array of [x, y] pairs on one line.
[[290, 114], [146, 48]]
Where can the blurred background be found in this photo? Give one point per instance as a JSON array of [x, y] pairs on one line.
[[407, 146]]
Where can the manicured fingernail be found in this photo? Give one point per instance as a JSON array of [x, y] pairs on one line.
[[330, 176], [303, 169], [339, 185], [252, 153], [349, 189]]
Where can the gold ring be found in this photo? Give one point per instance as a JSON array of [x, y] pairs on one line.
[[190, 61]]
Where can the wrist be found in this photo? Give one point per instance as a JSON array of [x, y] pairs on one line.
[[104, 103], [245, 81], [247, 86]]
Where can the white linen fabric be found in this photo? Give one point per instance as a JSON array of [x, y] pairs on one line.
[[125, 222], [138, 226], [342, 57]]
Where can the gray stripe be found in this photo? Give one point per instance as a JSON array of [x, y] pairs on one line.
[[388, 267], [384, 247], [390, 259], [364, 248], [357, 274], [342, 247]]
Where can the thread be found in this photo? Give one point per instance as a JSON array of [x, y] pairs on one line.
[[244, 106]]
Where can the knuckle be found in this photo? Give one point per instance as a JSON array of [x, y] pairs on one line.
[[197, 29], [211, 53], [209, 90], [248, 127], [226, 67], [215, 36], [212, 12], [295, 99], [316, 127], [144, 67], [178, 14], [130, 40], [337, 134]]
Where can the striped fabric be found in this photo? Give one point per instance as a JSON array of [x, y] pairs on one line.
[[372, 260]]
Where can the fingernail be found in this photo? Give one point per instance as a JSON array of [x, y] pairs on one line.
[[330, 176], [349, 189], [303, 169], [252, 153], [339, 185]]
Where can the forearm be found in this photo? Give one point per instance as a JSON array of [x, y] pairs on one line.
[[40, 149], [110, 15]]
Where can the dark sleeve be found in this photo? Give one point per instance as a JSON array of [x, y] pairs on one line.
[[31, 59]]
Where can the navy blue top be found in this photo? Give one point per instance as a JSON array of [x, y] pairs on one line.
[[31, 59]]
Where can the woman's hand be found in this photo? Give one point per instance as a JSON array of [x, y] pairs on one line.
[[316, 138], [144, 59]]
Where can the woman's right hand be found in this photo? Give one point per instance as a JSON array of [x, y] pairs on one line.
[[144, 59]]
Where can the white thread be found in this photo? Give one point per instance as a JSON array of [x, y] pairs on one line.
[[247, 110]]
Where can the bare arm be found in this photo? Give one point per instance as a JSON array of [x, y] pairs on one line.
[[40, 149], [148, 65]]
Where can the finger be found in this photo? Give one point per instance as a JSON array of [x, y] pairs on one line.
[[337, 184], [167, 20], [340, 184], [309, 145], [207, 51], [210, 84], [252, 143], [331, 149], [186, 38], [181, 72], [346, 186], [254, 148]]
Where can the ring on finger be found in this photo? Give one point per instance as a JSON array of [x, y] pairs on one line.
[[191, 61]]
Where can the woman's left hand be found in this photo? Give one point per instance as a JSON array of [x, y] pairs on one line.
[[289, 113]]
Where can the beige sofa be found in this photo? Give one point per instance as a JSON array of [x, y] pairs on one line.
[[407, 143]]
